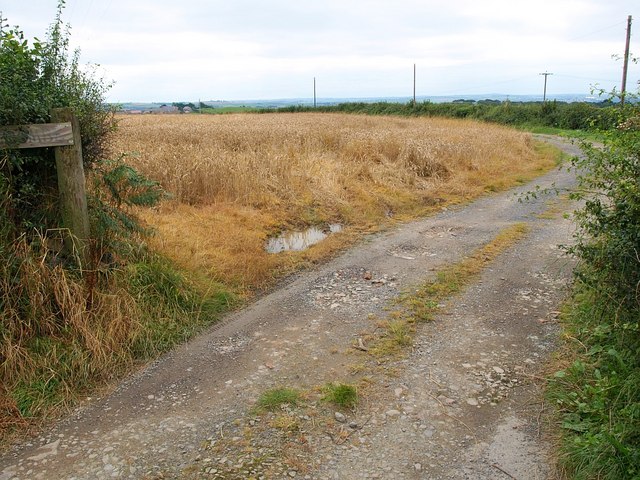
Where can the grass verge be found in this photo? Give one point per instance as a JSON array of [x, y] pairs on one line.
[[62, 337], [426, 300], [596, 393]]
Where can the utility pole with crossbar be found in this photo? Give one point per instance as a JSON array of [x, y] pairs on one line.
[[623, 90], [544, 95]]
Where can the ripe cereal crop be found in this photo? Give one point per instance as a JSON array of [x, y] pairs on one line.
[[235, 179]]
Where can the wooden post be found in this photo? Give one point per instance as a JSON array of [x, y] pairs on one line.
[[625, 67], [72, 189]]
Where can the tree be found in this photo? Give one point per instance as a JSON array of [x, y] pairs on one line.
[[35, 78]]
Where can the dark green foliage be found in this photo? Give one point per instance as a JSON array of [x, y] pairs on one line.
[[34, 78], [598, 396], [574, 116], [609, 238], [117, 187]]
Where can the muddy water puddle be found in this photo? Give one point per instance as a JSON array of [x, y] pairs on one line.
[[296, 241]]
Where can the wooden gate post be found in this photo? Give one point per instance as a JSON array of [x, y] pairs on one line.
[[72, 189]]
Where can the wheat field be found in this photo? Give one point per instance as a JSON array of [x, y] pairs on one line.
[[235, 179]]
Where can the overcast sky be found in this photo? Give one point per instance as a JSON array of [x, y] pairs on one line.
[[169, 50]]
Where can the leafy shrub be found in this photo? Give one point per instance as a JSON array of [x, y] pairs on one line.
[[63, 330], [609, 236], [34, 78], [598, 395]]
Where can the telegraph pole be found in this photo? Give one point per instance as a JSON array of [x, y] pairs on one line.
[[544, 95], [623, 90], [414, 84], [314, 92]]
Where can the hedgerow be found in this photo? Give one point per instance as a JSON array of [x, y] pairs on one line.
[[598, 394], [65, 326]]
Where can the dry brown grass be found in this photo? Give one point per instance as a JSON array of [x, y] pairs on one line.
[[57, 337], [237, 178]]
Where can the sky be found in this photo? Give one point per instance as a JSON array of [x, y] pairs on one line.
[[189, 50]]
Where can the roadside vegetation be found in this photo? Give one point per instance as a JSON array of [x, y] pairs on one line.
[[66, 327], [545, 117], [597, 393], [424, 302]]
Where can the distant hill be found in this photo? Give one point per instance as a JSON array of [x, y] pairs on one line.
[[286, 102]]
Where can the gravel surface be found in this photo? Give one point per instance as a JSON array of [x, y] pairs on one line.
[[457, 404]]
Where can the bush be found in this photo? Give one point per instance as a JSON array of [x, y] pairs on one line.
[[609, 237], [572, 116], [64, 330], [34, 78], [598, 395]]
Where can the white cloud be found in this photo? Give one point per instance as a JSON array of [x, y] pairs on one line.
[[162, 49]]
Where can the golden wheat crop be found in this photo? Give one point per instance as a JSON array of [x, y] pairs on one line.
[[240, 176], [263, 159]]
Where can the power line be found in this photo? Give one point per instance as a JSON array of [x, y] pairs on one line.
[[590, 79], [486, 85], [596, 31]]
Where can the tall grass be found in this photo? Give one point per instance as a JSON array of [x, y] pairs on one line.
[[61, 334], [237, 178]]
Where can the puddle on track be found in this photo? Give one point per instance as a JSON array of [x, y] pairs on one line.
[[297, 241]]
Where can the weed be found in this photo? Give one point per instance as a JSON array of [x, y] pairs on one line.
[[341, 394], [399, 332], [425, 301], [285, 423], [276, 398], [596, 394]]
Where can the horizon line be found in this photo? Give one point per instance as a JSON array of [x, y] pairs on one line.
[[487, 96]]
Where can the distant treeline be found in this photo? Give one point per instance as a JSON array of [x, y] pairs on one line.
[[563, 115]]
